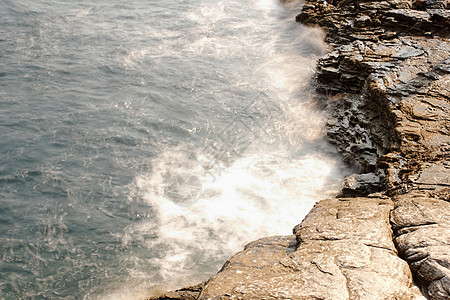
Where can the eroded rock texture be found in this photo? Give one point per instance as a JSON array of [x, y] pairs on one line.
[[422, 227], [388, 82], [342, 250]]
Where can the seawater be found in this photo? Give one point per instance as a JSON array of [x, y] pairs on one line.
[[142, 143]]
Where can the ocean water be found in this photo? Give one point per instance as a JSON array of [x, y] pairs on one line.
[[144, 142]]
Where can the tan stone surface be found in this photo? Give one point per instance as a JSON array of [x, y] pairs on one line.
[[345, 251], [422, 227]]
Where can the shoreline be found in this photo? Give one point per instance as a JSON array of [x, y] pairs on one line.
[[386, 83]]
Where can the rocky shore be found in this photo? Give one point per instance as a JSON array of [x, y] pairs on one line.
[[386, 83]]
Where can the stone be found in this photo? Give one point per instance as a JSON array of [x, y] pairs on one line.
[[435, 176], [401, 85], [408, 16], [188, 293], [401, 111], [342, 250], [361, 184], [422, 229], [444, 66], [407, 52]]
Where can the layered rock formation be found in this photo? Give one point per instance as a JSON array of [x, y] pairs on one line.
[[387, 85], [388, 79]]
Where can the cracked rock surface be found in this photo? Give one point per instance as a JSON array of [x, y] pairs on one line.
[[342, 250], [422, 234]]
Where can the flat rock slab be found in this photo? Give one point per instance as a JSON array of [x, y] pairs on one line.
[[436, 176], [342, 250], [422, 227]]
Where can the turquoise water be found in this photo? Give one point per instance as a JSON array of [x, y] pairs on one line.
[[142, 143]]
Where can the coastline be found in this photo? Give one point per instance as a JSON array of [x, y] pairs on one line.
[[386, 83]]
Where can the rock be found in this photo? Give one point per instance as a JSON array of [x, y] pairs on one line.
[[408, 16], [393, 95], [188, 293], [255, 272], [405, 95], [361, 184], [400, 110], [342, 250], [422, 229], [435, 176], [444, 66], [407, 52]]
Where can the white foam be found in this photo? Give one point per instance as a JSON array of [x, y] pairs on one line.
[[206, 212], [260, 194]]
